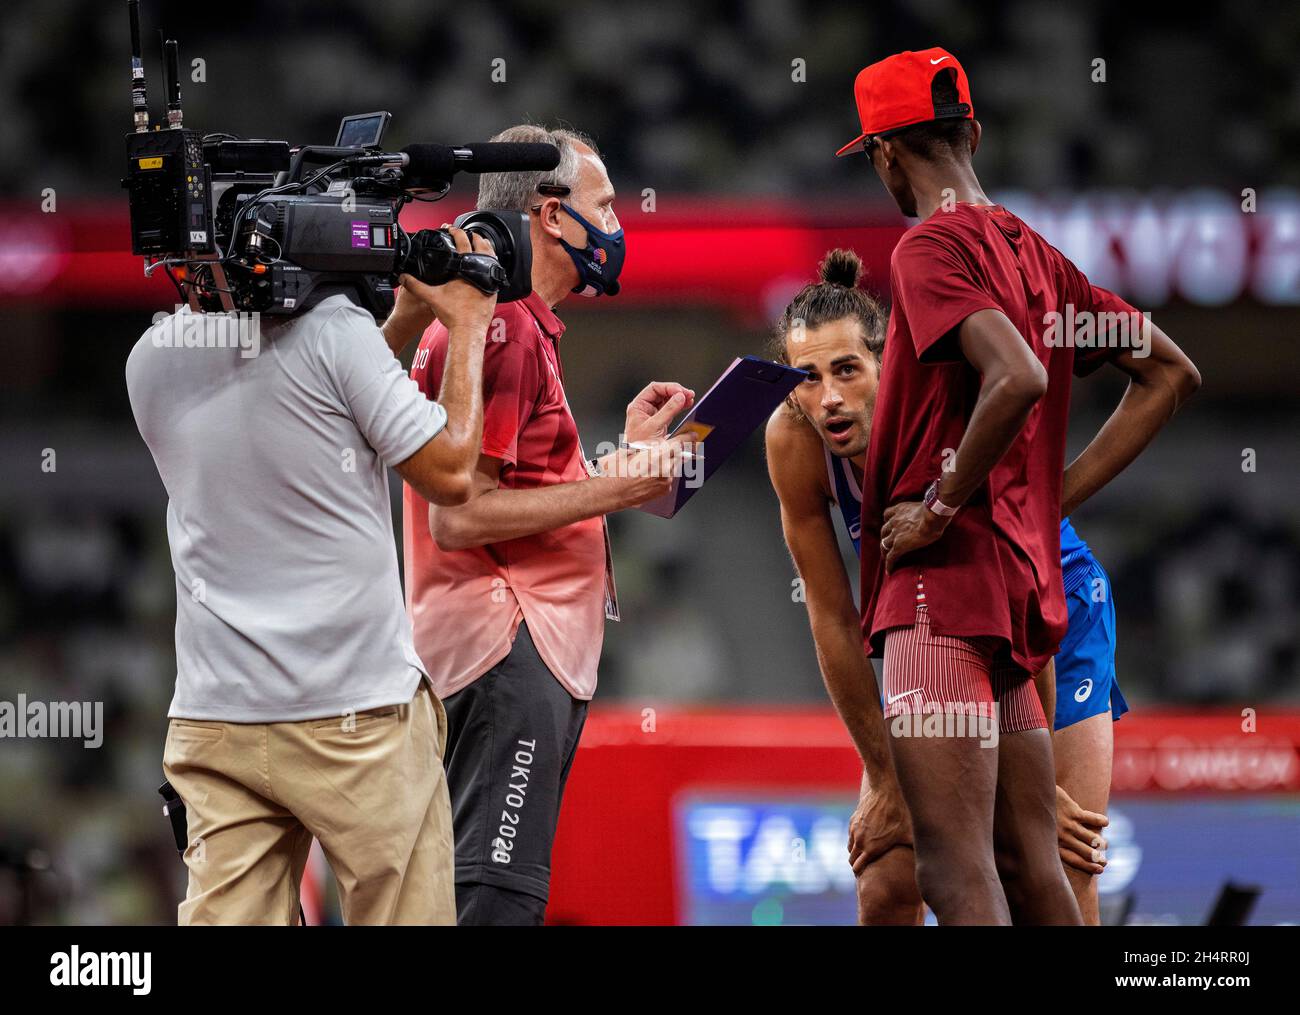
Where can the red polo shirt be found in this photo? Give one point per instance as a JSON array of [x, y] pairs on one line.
[[996, 570], [466, 605]]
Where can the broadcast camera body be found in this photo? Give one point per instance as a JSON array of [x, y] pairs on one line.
[[253, 225]]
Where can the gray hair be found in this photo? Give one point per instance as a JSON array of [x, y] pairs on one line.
[[518, 191]]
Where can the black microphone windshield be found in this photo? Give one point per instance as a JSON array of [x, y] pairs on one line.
[[429, 165], [432, 165], [508, 157]]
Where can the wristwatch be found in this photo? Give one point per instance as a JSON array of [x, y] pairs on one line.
[[932, 501], [594, 470]]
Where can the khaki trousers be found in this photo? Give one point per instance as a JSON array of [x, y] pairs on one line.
[[370, 787]]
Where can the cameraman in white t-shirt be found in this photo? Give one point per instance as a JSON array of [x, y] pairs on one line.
[[301, 709]]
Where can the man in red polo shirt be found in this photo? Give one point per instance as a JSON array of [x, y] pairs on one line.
[[963, 496], [509, 592]]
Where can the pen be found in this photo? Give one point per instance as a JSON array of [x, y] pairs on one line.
[[639, 446]]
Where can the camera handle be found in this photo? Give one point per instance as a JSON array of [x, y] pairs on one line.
[[311, 157], [482, 271]]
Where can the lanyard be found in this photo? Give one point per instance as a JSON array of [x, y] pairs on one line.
[[611, 589]]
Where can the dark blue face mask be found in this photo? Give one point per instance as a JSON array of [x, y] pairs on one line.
[[599, 262]]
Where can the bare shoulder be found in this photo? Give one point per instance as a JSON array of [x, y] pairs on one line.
[[787, 433], [795, 456]]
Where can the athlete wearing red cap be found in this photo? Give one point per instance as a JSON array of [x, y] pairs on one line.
[[963, 497]]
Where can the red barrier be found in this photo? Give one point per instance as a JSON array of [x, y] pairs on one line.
[[744, 255], [614, 859], [751, 254]]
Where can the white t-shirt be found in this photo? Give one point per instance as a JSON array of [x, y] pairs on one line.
[[288, 602]]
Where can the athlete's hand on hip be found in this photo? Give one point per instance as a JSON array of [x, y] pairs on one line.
[[459, 305], [880, 823], [1078, 833], [652, 411], [908, 526]]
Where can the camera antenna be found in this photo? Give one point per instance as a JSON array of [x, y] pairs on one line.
[[172, 83], [139, 96]]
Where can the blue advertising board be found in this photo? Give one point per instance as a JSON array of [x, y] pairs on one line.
[[766, 859]]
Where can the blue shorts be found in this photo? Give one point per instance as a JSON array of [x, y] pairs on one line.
[[1085, 663]]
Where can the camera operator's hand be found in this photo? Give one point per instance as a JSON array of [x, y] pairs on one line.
[[457, 304], [411, 315], [445, 466]]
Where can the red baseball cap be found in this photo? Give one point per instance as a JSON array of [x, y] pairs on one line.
[[895, 93]]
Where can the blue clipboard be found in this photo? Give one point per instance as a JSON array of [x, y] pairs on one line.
[[739, 401]]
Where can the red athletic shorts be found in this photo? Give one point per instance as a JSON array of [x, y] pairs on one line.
[[937, 673]]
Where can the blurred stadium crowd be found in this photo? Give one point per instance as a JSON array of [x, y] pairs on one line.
[[683, 96], [686, 98]]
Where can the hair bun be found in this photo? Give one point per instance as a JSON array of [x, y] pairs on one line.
[[841, 267]]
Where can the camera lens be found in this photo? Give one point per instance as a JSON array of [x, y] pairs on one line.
[[508, 233], [431, 254]]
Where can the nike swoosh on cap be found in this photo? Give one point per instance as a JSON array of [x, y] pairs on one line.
[[940, 60]]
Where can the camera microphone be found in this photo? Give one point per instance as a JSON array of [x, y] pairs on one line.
[[432, 165], [506, 157]]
